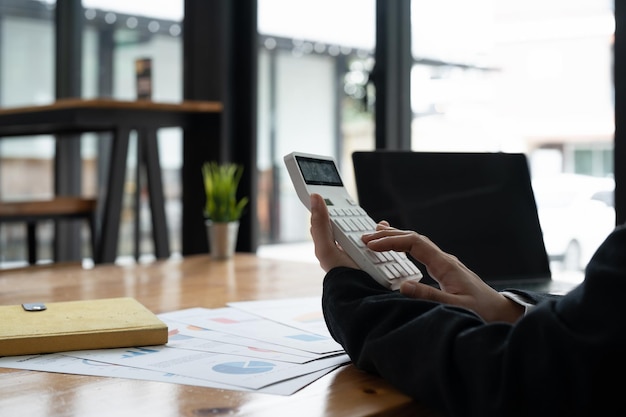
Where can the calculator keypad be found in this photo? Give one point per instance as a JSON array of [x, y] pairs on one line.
[[354, 221]]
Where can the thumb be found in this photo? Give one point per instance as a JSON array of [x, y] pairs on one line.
[[414, 289]]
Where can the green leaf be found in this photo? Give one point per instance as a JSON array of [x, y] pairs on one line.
[[221, 182]]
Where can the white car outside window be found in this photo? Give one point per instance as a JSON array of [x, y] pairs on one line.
[[576, 213]]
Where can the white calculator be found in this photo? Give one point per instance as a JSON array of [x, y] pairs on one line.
[[319, 174]]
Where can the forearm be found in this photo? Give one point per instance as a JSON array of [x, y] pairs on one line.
[[409, 342], [448, 358]]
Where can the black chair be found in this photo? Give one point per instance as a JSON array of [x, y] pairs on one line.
[[31, 212]]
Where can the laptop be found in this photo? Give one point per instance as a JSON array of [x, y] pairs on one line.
[[479, 207]]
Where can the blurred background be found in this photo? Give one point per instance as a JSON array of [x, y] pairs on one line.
[[485, 75]]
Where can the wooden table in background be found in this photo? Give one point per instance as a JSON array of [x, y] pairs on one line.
[[67, 116], [174, 284]]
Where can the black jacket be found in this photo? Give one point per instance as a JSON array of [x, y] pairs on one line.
[[566, 357]]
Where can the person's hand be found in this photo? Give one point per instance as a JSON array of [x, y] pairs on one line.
[[459, 285], [326, 250]]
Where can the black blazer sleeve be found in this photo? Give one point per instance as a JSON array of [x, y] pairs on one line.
[[567, 356]]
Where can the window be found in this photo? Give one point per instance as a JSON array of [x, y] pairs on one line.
[[116, 33], [531, 77], [313, 64]]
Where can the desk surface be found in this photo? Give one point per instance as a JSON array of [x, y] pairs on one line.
[[173, 284]]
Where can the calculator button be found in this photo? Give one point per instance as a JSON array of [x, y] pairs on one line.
[[361, 224], [353, 224], [372, 255], [388, 256], [343, 225], [357, 240], [371, 223], [412, 267], [387, 272], [354, 221], [394, 270]]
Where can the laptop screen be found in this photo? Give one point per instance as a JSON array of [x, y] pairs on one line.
[[479, 207]]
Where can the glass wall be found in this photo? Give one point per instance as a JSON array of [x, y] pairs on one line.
[[116, 34], [513, 76], [531, 77], [26, 78], [314, 61]]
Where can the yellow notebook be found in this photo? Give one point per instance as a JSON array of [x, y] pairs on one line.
[[78, 325]]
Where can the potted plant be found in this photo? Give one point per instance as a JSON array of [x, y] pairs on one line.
[[222, 209]]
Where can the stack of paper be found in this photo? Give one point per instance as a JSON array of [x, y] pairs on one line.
[[275, 346]]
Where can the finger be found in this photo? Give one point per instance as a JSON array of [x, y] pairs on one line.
[[383, 231], [438, 263], [321, 230], [326, 249], [419, 246], [421, 291]]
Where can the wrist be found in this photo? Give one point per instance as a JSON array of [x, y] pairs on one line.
[[523, 305]]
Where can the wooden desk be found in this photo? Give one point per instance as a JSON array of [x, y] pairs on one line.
[[120, 118], [169, 285]]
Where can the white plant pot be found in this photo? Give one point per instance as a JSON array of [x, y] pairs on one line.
[[222, 238]]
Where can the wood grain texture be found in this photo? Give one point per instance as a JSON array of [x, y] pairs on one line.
[[67, 103], [163, 286], [57, 206]]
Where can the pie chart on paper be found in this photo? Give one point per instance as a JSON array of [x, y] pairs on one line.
[[249, 367]]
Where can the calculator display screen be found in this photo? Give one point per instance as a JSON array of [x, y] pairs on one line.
[[319, 171]]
